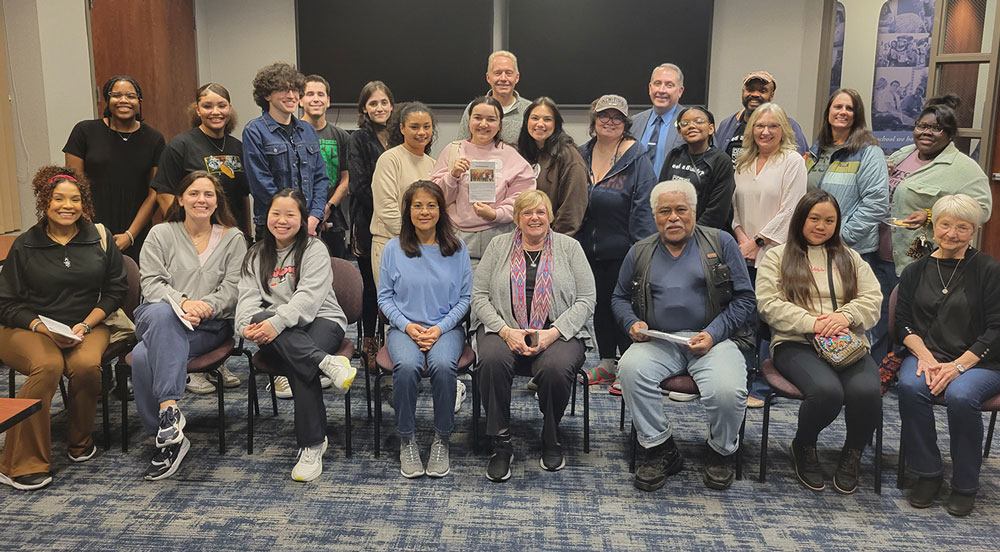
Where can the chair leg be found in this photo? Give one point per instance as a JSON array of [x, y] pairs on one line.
[[878, 455], [220, 389], [10, 382], [347, 423], [368, 384], [274, 395], [621, 421], [251, 404], [901, 463], [739, 449], [989, 435], [105, 404], [378, 414], [256, 404], [586, 418], [122, 379], [763, 436], [634, 438], [476, 402], [572, 399]]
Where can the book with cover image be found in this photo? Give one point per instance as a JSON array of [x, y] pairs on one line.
[[482, 181]]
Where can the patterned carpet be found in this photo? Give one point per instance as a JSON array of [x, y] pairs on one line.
[[241, 502]]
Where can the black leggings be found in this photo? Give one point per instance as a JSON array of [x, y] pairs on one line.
[[369, 296], [856, 386], [609, 336]]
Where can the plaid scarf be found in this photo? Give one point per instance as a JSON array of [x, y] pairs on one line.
[[541, 300]]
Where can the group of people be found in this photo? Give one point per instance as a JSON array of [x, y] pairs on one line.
[[689, 244]]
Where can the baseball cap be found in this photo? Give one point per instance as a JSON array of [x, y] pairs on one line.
[[760, 75], [612, 101]]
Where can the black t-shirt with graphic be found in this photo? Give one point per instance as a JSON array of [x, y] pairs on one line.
[[735, 146], [333, 147], [222, 157]]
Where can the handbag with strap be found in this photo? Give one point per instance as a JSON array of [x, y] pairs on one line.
[[839, 351], [118, 322]]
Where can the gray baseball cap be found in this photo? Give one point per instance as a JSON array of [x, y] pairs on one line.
[[612, 101]]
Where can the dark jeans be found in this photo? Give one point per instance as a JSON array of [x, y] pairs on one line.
[[825, 390], [554, 370], [296, 353], [609, 336], [885, 272], [964, 396], [369, 297]]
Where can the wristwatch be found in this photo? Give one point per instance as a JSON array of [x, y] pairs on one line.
[[961, 369], [759, 241]]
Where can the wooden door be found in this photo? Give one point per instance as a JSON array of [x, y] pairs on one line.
[[152, 41], [10, 205], [991, 231]]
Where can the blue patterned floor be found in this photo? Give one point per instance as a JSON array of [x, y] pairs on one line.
[[241, 502]]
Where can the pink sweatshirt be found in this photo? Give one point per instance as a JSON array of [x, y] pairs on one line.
[[515, 176]]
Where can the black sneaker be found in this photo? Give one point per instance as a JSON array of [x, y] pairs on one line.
[[961, 504], [662, 461], [807, 467], [719, 470], [924, 491], [845, 479], [171, 429], [499, 468], [87, 454], [167, 460], [552, 458]]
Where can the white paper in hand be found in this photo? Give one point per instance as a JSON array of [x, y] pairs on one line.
[[483, 181], [665, 336], [179, 312], [59, 328]]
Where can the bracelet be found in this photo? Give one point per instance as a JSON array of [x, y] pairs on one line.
[[35, 324], [928, 221], [131, 238], [86, 327]]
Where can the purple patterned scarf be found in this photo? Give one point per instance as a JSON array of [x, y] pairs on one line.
[[541, 300]]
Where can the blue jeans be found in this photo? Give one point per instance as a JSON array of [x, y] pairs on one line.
[[721, 378], [408, 366], [885, 273], [965, 423], [159, 361]]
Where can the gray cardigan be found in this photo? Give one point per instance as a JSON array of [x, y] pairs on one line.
[[169, 267], [573, 293]]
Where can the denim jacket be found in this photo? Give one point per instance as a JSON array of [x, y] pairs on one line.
[[273, 162]]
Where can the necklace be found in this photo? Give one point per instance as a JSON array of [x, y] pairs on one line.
[[124, 137], [66, 261], [533, 258], [944, 286], [212, 140]]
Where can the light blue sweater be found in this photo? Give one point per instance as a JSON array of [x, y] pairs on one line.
[[435, 290]]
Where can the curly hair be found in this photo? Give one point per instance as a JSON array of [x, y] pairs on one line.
[[45, 182], [276, 77], [203, 90]]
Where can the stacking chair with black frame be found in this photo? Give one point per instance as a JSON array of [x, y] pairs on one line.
[[347, 286]]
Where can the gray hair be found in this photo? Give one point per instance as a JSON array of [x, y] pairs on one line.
[[680, 186], [672, 67], [960, 206], [501, 53]]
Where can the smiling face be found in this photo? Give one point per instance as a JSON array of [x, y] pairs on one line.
[[417, 129], [953, 234], [841, 115], [315, 101], [214, 112], [484, 123], [767, 133], [821, 223], [665, 90], [674, 218], [929, 137], [199, 200], [424, 211], [541, 124], [284, 220], [609, 124], [378, 107], [123, 101], [66, 205], [694, 126], [757, 93], [283, 102], [534, 222], [502, 77]]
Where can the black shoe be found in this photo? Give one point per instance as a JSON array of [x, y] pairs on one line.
[[167, 460], [719, 471], [87, 454], [29, 482], [845, 479], [807, 467], [552, 458], [924, 491], [961, 504], [499, 468], [662, 461]]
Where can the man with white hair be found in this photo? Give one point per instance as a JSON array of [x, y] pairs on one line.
[[502, 76], [656, 127], [698, 290]]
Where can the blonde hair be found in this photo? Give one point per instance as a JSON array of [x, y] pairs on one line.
[[750, 148], [501, 53], [960, 206], [529, 199]]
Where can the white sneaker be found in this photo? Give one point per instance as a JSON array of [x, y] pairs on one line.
[[281, 387], [325, 382], [459, 396], [338, 368], [198, 384], [310, 464], [229, 379], [682, 397]]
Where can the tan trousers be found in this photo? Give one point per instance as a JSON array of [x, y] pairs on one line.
[[378, 245], [29, 443]]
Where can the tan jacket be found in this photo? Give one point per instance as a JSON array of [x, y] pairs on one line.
[[791, 322]]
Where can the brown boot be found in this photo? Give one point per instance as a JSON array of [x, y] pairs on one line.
[[370, 348]]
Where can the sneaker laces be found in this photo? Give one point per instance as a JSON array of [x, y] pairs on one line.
[[439, 449], [309, 455], [169, 417], [411, 452]]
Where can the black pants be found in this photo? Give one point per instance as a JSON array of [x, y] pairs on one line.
[[554, 370], [334, 240], [856, 387], [609, 336], [369, 296], [296, 353]]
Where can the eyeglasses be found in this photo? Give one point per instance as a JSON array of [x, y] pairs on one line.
[[960, 228], [760, 127], [611, 117], [935, 128], [430, 207], [119, 95], [699, 121]]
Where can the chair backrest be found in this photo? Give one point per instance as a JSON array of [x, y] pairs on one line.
[[892, 316], [348, 287], [5, 243], [132, 295]]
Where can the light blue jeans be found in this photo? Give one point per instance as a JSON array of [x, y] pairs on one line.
[[408, 365], [721, 377]]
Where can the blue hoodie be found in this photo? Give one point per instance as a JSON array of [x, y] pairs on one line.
[[618, 210]]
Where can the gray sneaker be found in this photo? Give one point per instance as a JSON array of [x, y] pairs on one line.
[[438, 464], [410, 464]]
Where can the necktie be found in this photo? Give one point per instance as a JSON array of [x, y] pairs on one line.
[[655, 136]]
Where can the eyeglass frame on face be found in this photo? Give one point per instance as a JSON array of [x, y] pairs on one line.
[[933, 128], [430, 207], [606, 117], [962, 228], [699, 121], [759, 127], [127, 95]]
